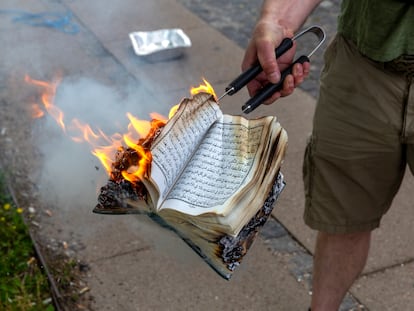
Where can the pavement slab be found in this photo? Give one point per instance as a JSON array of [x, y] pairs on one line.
[[156, 279]]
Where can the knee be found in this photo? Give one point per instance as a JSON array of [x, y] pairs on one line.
[[353, 237]]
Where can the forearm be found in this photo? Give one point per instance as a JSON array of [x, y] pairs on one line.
[[290, 14], [278, 19]]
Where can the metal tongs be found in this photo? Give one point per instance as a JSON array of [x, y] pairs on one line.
[[267, 91]]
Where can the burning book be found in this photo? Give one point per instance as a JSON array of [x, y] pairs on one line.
[[211, 178]]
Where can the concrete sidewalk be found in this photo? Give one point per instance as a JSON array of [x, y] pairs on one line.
[[135, 265]]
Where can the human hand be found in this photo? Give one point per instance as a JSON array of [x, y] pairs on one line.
[[266, 37]]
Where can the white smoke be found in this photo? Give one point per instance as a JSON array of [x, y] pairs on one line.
[[70, 172], [71, 176]]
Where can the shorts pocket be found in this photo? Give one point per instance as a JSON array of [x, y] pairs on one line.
[[330, 53], [308, 168]]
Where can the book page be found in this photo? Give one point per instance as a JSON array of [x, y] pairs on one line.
[[220, 166], [179, 139]]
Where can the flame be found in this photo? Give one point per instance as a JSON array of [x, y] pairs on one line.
[[142, 127], [106, 147], [206, 87], [37, 112], [173, 110], [48, 97]]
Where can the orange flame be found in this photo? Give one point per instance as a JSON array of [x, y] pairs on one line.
[[206, 87], [104, 146], [37, 112], [48, 97]]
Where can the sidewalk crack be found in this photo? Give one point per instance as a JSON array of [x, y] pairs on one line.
[[137, 250], [380, 270]]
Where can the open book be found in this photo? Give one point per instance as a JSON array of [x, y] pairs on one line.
[[213, 180]]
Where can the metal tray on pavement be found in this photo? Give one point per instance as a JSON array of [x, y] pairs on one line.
[[160, 45]]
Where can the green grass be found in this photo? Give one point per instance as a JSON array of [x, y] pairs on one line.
[[23, 285]]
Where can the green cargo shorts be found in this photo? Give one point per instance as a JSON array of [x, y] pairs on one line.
[[362, 140]]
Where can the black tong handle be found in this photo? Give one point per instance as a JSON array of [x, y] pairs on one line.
[[248, 75], [270, 89]]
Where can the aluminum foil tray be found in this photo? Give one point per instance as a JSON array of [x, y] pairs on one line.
[[159, 45]]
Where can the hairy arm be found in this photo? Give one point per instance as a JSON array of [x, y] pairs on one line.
[[278, 19]]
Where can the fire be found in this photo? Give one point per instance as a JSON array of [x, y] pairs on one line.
[[107, 147], [48, 95], [206, 88]]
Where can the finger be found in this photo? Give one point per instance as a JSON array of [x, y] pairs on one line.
[[288, 86], [266, 56], [306, 69], [300, 72], [286, 59], [250, 56], [257, 84], [298, 75], [273, 98], [253, 87]]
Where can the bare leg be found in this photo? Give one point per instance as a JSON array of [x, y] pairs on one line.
[[339, 259]]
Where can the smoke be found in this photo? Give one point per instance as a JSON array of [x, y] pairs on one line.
[[70, 174], [67, 175]]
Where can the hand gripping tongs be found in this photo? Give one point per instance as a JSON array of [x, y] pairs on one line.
[[267, 91]]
